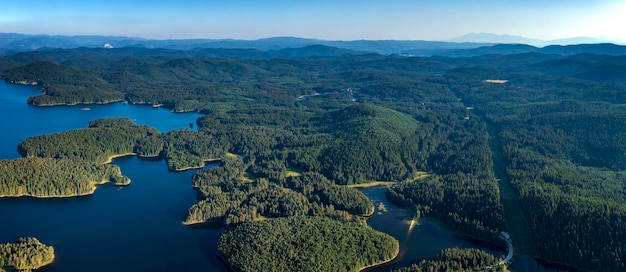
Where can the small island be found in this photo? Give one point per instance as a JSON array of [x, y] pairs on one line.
[[25, 254]]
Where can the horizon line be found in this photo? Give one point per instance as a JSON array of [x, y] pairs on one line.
[[451, 40]]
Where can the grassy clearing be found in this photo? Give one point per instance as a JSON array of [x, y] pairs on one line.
[[372, 184], [293, 172], [247, 177], [417, 175], [231, 155]]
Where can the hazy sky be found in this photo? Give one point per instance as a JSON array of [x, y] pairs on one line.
[[324, 19]]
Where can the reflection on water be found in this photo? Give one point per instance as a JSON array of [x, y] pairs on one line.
[[422, 241]]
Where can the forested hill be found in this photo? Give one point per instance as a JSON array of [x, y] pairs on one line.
[[63, 85], [291, 131]]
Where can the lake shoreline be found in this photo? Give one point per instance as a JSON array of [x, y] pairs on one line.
[[76, 104], [204, 164], [395, 255], [94, 184], [93, 190], [113, 157]]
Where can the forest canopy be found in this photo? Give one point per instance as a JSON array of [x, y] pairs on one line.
[[304, 244], [47, 177]]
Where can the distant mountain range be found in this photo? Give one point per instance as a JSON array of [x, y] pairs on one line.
[[512, 39], [12, 42], [465, 46]]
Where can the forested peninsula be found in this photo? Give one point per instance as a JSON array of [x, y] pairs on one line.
[[305, 244], [25, 254], [48, 177], [73, 163], [532, 143]]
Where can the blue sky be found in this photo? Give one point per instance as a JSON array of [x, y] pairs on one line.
[[323, 19]]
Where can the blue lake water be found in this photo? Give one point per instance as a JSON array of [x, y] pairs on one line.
[[20, 121], [138, 227], [132, 228]]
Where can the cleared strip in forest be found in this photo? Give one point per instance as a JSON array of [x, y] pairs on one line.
[[516, 222]]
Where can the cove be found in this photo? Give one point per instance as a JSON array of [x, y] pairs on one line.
[[428, 238], [424, 241]]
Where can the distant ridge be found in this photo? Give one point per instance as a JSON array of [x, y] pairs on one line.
[[12, 43], [563, 50], [495, 38], [513, 39]]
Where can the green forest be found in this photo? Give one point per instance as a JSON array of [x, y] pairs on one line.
[[457, 259], [103, 139], [25, 254], [304, 244], [230, 198], [48, 177], [563, 148], [524, 143], [72, 163]]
